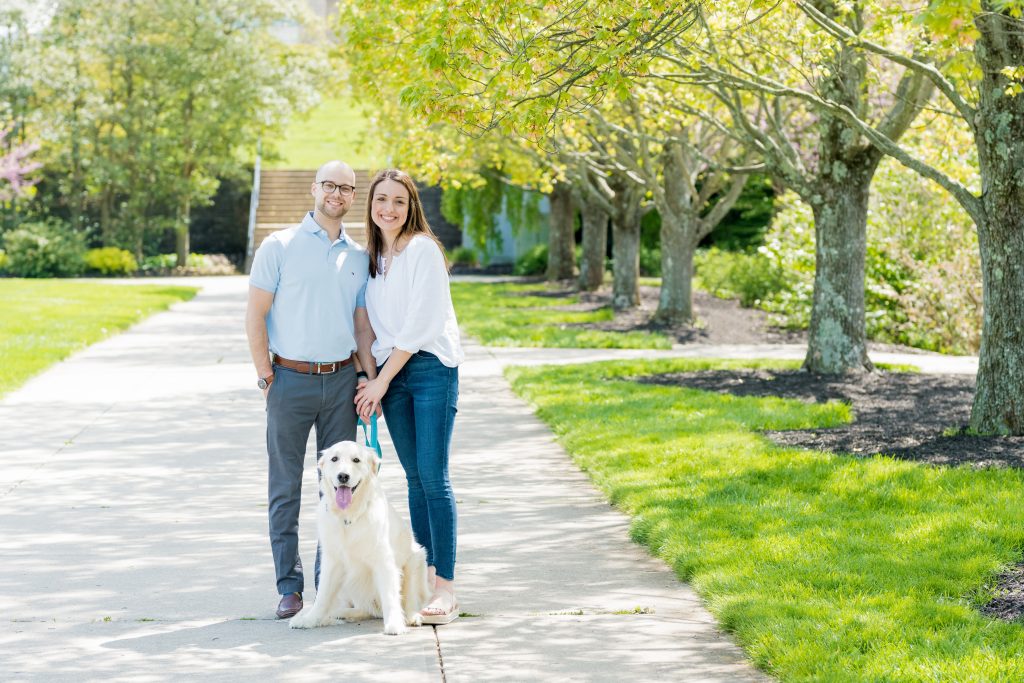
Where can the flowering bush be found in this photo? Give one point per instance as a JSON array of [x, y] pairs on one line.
[[14, 166], [197, 264]]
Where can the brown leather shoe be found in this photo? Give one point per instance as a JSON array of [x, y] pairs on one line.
[[289, 606]]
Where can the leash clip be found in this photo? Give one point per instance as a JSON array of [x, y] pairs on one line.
[[370, 438]]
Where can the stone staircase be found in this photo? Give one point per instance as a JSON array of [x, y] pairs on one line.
[[285, 199]]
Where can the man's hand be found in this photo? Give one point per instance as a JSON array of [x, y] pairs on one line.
[[256, 311], [369, 395]]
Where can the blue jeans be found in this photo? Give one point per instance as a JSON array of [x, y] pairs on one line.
[[420, 408]]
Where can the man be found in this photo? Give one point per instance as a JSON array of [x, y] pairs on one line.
[[306, 322]]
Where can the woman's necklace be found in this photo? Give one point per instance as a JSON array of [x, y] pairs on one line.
[[385, 260]]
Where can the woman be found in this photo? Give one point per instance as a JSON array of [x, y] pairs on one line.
[[418, 352]]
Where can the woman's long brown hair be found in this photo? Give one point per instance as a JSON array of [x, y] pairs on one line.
[[415, 222]]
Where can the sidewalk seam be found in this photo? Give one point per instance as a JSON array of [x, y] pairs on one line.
[[66, 443], [440, 657]]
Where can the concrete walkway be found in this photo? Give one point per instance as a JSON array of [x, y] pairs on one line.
[[133, 534]]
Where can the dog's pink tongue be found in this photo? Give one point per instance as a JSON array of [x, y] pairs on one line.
[[343, 496]]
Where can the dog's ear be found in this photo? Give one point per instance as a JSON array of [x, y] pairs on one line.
[[321, 462], [371, 455]]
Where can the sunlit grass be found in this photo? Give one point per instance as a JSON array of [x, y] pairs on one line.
[[506, 314], [336, 129], [826, 568], [44, 321]]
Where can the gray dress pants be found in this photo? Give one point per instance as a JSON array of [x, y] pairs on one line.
[[296, 403]]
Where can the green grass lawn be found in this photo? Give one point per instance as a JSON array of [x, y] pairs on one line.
[[506, 314], [826, 568], [44, 321], [335, 129]]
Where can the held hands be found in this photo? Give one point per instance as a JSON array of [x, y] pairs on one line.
[[368, 397]]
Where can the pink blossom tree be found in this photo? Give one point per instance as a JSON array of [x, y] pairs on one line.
[[14, 166]]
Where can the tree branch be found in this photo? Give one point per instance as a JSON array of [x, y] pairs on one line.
[[722, 207], [843, 33]]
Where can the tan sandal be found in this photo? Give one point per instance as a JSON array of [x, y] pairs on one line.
[[434, 615]]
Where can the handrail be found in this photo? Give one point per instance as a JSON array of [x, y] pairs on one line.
[[254, 202]]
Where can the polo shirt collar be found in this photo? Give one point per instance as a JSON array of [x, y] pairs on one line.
[[310, 225]]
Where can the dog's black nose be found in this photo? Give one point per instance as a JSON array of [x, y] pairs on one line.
[[342, 478]]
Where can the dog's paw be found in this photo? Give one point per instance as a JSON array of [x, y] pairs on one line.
[[394, 628], [414, 619], [303, 619]]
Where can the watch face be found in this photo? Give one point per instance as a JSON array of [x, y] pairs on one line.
[[262, 383]]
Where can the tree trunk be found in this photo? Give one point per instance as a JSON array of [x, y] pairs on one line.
[[185, 218], [837, 342], [595, 245], [182, 233], [561, 234], [628, 198], [626, 260], [675, 302], [107, 236], [999, 399]]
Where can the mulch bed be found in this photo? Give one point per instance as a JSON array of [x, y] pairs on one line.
[[718, 321], [911, 416], [904, 414], [1009, 603]]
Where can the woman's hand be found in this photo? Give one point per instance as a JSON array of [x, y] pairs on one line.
[[369, 395]]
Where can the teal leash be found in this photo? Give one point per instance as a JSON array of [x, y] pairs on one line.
[[370, 439]]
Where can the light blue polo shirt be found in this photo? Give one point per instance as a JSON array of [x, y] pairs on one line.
[[317, 286]]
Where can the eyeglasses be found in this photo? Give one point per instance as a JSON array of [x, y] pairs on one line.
[[329, 187]]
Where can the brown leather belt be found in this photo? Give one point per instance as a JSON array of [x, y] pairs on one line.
[[312, 368]]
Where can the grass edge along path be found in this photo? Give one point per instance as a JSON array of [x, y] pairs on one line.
[[45, 321], [534, 315], [824, 567]]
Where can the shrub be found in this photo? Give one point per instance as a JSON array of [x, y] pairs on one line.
[[650, 261], [159, 262], [111, 261], [44, 250], [789, 246], [463, 256], [533, 262], [751, 278], [3, 260]]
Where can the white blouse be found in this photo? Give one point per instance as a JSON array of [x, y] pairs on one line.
[[411, 308]]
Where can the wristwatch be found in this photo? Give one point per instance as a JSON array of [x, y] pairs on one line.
[[265, 382]]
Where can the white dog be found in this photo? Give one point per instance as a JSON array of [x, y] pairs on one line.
[[370, 565]]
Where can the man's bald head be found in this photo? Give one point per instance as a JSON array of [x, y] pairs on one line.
[[331, 170]]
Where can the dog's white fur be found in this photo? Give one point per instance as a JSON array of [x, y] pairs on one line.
[[370, 564]]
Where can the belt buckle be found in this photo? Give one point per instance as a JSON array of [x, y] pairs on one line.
[[320, 368]]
